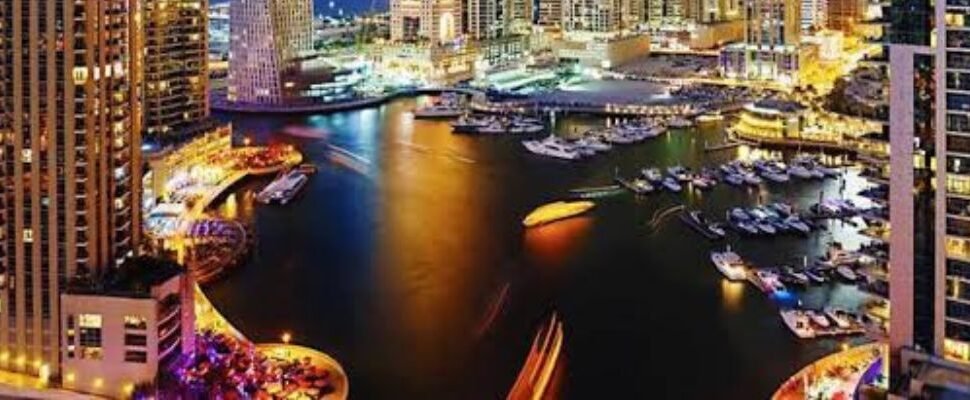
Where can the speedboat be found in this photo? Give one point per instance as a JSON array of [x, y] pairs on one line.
[[671, 185], [746, 227], [738, 213], [596, 144], [448, 107], [641, 186], [796, 277], [847, 273], [798, 323], [818, 318], [730, 264], [842, 318], [774, 176], [752, 179], [469, 124], [652, 174], [768, 281], [782, 208], [493, 128], [734, 179], [766, 227], [556, 211], [699, 182], [797, 224], [717, 229], [679, 172], [799, 171]]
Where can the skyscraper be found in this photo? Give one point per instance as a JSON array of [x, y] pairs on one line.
[[486, 19], [176, 59], [267, 36], [550, 12], [594, 16], [431, 21], [770, 52], [71, 167], [929, 126]]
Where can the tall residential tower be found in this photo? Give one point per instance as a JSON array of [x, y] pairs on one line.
[[71, 167], [176, 65], [267, 38]]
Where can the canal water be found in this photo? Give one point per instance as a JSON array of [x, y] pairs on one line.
[[393, 260]]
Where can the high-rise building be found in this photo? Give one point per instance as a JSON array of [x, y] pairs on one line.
[[176, 74], [843, 15], [431, 21], [665, 13], [71, 163], [549, 12], [814, 15], [267, 38], [593, 16], [929, 264], [770, 51], [486, 19]]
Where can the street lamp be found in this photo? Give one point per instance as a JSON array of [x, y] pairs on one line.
[[286, 337]]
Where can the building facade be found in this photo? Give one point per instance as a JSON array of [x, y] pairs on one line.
[[843, 15], [267, 39], [929, 122], [549, 13], [592, 16], [429, 21], [176, 65], [771, 47], [71, 123], [121, 329]]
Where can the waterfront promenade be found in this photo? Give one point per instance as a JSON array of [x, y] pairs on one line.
[[837, 375]]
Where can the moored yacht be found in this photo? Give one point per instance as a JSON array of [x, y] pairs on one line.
[[552, 147], [730, 264]]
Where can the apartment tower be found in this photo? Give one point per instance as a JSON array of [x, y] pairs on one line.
[[267, 38], [430, 21], [176, 66], [70, 138]]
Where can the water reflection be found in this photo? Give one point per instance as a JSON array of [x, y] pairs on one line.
[[551, 246], [732, 295]]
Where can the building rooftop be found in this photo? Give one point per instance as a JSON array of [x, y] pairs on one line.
[[780, 105], [135, 279]]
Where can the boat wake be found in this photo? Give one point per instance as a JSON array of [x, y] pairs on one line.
[[348, 159], [494, 310], [540, 365], [304, 132], [660, 215]]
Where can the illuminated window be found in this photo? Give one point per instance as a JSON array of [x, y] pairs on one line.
[[29, 235], [80, 75], [135, 322], [89, 338]]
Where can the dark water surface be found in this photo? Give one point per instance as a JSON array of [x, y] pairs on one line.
[[393, 269]]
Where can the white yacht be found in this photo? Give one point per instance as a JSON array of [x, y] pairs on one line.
[[449, 106], [680, 122], [552, 147], [799, 171], [730, 264]]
